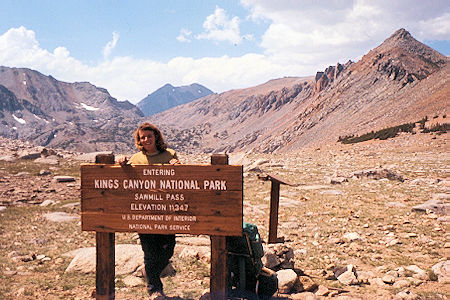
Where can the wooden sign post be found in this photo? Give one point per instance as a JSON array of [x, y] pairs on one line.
[[218, 278], [162, 199], [274, 205], [105, 253]]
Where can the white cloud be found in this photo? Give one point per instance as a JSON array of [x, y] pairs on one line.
[[343, 29], [437, 28], [184, 36], [219, 27], [302, 37], [111, 45], [128, 78]]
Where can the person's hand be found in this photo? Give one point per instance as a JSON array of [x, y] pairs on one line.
[[122, 160], [174, 161]]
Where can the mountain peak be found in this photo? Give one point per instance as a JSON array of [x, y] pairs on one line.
[[400, 38], [169, 96], [402, 44], [402, 33], [167, 85]]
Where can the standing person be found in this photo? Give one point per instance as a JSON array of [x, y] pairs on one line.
[[158, 248]]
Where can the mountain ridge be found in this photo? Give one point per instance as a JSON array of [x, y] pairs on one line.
[[344, 99], [401, 80], [169, 96], [60, 114]]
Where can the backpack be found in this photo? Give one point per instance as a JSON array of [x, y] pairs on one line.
[[246, 276]]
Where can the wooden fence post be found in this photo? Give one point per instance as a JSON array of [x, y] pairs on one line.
[[274, 206], [105, 248], [218, 276]]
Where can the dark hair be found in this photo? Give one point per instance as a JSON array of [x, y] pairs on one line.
[[159, 139]]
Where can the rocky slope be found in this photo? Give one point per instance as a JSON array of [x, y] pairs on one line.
[[169, 96], [52, 113], [400, 81], [351, 225]]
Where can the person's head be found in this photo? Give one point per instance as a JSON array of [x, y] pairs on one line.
[[148, 138]]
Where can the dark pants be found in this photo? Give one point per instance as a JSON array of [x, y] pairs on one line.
[[158, 249]]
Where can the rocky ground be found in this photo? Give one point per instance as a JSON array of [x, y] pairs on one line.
[[362, 221]]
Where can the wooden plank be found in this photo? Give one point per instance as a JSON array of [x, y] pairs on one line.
[[160, 224], [162, 203], [274, 178], [218, 279], [204, 177]]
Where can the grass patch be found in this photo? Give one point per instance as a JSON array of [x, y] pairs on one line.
[[33, 168]]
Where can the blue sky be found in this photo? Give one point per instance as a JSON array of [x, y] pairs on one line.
[[134, 47]]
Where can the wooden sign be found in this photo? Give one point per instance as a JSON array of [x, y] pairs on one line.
[[164, 199]]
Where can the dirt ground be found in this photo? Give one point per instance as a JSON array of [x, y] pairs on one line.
[[326, 202]]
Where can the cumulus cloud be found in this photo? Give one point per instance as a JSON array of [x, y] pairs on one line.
[[302, 37], [128, 78], [219, 27], [343, 29], [111, 45], [19, 48], [184, 36]]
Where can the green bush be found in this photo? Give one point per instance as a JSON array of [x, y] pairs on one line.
[[439, 128], [382, 134]]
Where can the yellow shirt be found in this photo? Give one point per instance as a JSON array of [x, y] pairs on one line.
[[164, 157]]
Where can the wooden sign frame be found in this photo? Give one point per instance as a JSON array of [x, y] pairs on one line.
[[212, 199], [162, 199]]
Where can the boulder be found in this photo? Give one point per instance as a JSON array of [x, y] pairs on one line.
[[51, 160], [436, 206], [419, 273], [305, 283], [351, 236], [60, 217], [90, 157], [29, 155], [305, 296], [62, 178], [335, 180], [8, 158], [270, 259], [132, 281], [128, 258], [202, 253], [442, 270], [378, 173], [349, 276], [388, 279], [286, 280], [47, 203]]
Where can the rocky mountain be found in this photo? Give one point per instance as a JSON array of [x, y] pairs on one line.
[[52, 113], [402, 80], [169, 96]]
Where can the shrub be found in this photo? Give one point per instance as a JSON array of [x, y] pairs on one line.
[[382, 134], [439, 128]]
